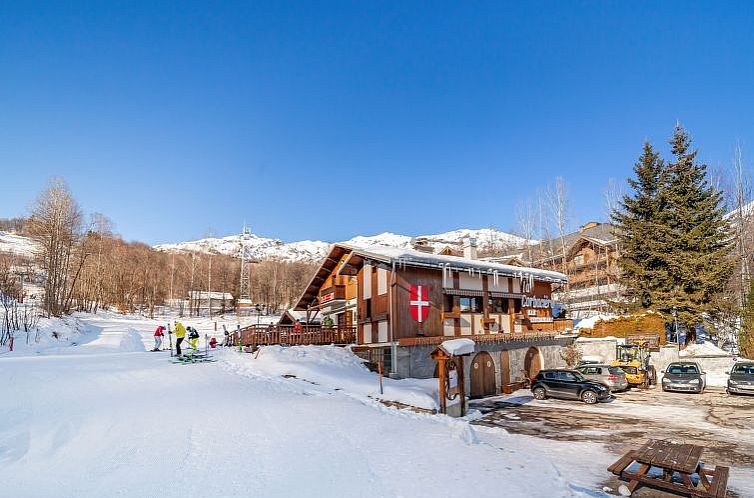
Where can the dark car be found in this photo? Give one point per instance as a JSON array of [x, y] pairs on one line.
[[741, 380], [568, 384], [684, 376]]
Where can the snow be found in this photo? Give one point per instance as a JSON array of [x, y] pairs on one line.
[[411, 257], [707, 349], [17, 244], [336, 368], [315, 250], [589, 323], [458, 347], [92, 420]]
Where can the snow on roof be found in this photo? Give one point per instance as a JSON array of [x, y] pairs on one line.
[[410, 257], [458, 347]]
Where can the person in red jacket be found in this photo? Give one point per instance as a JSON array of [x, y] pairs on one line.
[[158, 335]]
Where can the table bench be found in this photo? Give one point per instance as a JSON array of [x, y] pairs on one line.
[[671, 459]]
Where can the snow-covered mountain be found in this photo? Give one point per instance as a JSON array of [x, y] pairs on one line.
[[261, 248]]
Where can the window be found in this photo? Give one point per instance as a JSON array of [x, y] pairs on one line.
[[517, 306], [683, 369], [551, 375], [579, 259], [471, 304], [367, 308], [498, 305], [567, 376], [448, 306]]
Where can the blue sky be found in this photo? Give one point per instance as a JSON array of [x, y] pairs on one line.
[[325, 120]]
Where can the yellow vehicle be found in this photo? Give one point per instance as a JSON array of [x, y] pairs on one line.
[[633, 359]]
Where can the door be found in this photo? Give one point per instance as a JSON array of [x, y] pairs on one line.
[[569, 385], [505, 368], [482, 376], [532, 362]]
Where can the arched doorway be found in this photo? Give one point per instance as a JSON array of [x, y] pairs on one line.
[[533, 362], [482, 376], [505, 368]]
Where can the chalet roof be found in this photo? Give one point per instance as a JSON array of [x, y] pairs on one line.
[[355, 256], [597, 233], [300, 316], [409, 257]]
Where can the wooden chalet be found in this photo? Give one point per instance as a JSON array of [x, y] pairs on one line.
[[364, 292]]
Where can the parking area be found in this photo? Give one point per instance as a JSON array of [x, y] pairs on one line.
[[723, 424]]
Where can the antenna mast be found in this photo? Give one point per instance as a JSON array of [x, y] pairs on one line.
[[244, 294]]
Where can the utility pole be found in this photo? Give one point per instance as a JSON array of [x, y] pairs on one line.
[[244, 293]]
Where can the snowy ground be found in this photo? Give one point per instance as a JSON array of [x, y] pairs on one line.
[[104, 417], [721, 423]]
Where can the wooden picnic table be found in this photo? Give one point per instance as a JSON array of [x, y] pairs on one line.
[[671, 459]]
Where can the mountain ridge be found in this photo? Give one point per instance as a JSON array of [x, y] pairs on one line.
[[264, 248]]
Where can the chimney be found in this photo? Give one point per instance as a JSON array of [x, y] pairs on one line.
[[469, 248]]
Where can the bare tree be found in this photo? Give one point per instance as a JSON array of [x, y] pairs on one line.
[[55, 224], [526, 225], [559, 203]]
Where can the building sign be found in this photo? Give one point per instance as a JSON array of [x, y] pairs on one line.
[[535, 302], [418, 302], [541, 319], [327, 297]]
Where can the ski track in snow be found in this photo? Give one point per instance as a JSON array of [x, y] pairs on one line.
[[99, 420]]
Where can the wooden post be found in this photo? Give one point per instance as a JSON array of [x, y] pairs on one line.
[[379, 371], [461, 384], [443, 395]]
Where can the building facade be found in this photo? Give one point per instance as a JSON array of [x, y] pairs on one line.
[[380, 292], [591, 264]]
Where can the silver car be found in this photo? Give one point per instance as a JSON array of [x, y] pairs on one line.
[[607, 375], [684, 376]]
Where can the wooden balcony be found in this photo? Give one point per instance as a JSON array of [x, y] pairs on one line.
[[332, 293], [265, 335]]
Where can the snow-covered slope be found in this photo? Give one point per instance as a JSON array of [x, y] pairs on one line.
[[16, 244], [313, 250]]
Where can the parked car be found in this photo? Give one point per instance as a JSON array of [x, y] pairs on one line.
[[684, 376], [567, 384], [741, 380], [607, 375]]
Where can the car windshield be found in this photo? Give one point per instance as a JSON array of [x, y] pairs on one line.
[[615, 370], [683, 369], [746, 369]]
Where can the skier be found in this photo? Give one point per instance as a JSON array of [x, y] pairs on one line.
[[180, 334], [158, 335], [226, 339], [193, 337]]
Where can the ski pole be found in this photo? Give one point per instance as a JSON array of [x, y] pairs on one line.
[[170, 339]]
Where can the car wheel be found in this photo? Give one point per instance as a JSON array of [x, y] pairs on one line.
[[540, 393], [589, 397]]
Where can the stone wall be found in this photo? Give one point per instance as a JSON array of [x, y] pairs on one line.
[[415, 361]]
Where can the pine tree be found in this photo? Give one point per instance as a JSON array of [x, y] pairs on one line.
[[746, 336], [637, 223], [693, 238]]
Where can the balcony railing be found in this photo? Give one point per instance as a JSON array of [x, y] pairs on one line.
[[290, 335]]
